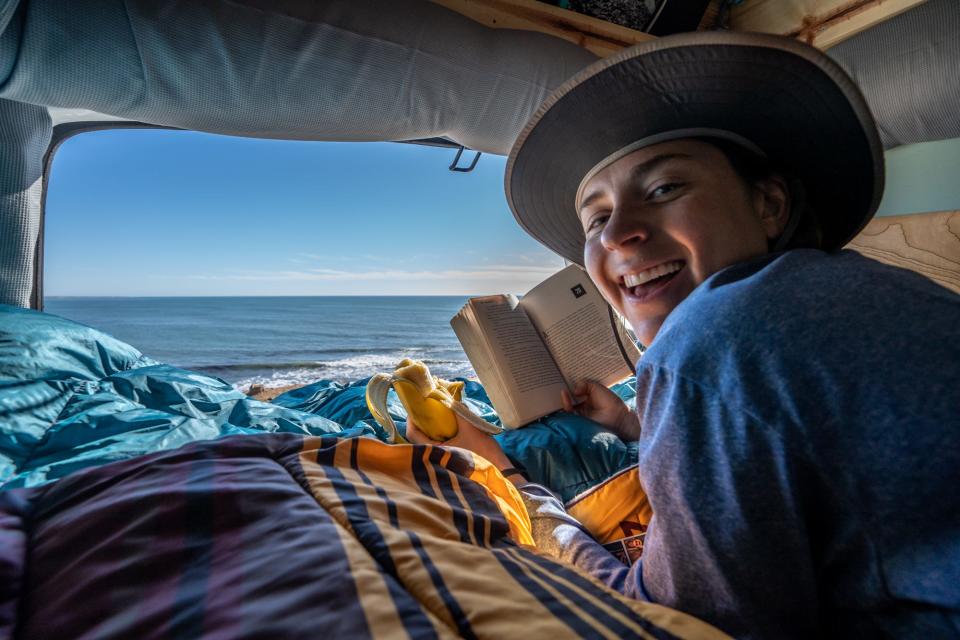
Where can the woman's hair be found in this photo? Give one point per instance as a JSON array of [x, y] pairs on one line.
[[753, 168]]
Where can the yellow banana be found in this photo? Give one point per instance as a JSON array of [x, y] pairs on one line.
[[434, 404]]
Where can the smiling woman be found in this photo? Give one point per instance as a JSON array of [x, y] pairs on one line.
[[786, 381], [661, 220], [278, 262]]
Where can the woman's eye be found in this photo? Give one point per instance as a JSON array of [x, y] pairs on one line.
[[664, 189], [595, 222]]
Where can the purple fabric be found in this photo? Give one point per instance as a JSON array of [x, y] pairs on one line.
[[212, 540], [13, 549]]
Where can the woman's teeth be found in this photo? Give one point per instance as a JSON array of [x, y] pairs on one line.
[[636, 279]]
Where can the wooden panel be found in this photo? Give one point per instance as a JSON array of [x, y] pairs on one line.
[[928, 243], [601, 37], [822, 23], [712, 15]]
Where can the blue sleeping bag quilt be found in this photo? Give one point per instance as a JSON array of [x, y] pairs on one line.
[[72, 397]]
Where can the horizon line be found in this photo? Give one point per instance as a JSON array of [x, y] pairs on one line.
[[339, 295]]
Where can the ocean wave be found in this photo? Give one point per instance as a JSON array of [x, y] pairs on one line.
[[255, 366], [366, 358], [342, 370]]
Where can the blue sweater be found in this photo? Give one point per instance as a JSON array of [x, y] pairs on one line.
[[800, 448]]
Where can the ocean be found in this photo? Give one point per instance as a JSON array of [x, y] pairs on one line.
[[280, 341]]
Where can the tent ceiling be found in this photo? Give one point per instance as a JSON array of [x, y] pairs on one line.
[[421, 70], [337, 70]]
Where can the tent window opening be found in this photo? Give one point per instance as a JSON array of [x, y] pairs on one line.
[[277, 262]]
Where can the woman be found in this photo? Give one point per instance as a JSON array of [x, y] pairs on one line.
[[798, 406]]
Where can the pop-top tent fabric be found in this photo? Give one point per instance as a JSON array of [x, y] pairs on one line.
[[341, 70]]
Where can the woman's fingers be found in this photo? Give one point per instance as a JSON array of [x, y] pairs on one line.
[[579, 401], [416, 436], [468, 437]]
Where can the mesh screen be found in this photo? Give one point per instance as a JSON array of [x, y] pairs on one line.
[[907, 69], [24, 135]]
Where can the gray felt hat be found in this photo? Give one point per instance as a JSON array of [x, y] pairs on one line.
[[774, 95]]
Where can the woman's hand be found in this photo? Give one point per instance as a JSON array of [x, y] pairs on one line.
[[468, 437], [598, 403]]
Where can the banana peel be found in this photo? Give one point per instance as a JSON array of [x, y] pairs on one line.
[[434, 404]]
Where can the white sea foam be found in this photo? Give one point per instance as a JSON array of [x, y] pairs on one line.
[[353, 368]]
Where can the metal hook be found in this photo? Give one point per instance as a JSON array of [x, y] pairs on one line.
[[456, 159]]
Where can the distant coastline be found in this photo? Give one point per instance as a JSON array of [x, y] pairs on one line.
[[232, 297]]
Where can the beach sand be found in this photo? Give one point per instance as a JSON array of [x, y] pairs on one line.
[[266, 394]]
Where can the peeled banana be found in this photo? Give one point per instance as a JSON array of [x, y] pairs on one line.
[[432, 403]]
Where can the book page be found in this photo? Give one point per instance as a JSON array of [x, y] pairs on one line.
[[530, 376], [479, 352], [575, 323]]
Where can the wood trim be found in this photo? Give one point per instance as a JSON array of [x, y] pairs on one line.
[[822, 23], [711, 16], [928, 243], [598, 36]]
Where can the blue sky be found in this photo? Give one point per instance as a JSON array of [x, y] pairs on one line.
[[157, 213]]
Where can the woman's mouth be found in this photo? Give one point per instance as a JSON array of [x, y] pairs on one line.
[[647, 284]]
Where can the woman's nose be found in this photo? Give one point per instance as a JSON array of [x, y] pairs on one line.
[[623, 230]]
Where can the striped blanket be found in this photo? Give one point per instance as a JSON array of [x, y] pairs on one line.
[[280, 535]]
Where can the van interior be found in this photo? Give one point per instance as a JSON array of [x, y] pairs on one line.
[[138, 499]]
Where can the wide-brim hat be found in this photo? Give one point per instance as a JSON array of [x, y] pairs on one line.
[[772, 94]]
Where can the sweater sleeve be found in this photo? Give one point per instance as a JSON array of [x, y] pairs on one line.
[[560, 536], [729, 540]]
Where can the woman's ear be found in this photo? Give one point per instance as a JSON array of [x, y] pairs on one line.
[[772, 203]]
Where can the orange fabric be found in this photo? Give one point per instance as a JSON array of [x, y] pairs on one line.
[[616, 508]]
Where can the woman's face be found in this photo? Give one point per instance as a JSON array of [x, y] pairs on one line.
[[661, 220]]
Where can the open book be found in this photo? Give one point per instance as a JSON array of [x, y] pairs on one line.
[[525, 351]]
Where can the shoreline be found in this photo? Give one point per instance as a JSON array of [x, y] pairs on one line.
[[266, 394]]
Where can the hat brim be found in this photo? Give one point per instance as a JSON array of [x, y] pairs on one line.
[[786, 97]]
